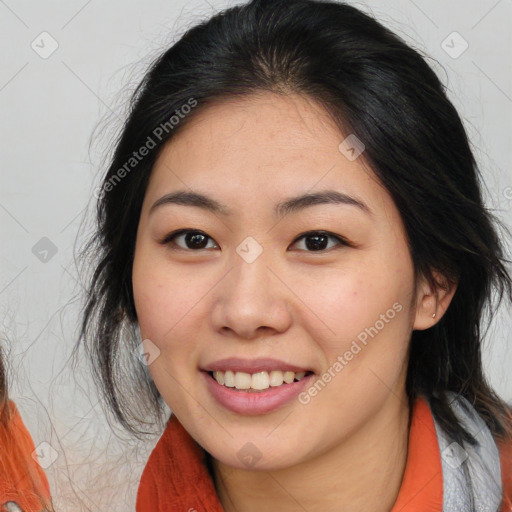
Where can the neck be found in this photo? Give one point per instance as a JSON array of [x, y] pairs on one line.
[[363, 472]]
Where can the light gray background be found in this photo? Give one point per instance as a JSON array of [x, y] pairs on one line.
[[50, 108]]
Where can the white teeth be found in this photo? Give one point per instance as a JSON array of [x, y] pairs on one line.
[[242, 380], [219, 377], [260, 380], [257, 381], [288, 377], [229, 379], [276, 378]]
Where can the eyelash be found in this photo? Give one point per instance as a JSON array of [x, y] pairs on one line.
[[169, 239]]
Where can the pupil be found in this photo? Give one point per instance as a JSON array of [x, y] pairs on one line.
[[195, 240], [316, 245], [313, 242]]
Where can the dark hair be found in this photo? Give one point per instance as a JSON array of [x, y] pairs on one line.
[[373, 85]]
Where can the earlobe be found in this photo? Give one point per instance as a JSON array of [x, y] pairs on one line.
[[433, 301]]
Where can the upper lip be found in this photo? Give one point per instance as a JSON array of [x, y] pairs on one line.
[[236, 364]]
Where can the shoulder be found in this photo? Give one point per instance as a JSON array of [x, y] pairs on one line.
[[14, 436], [505, 448], [22, 480]]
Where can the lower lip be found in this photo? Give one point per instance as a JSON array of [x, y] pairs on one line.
[[260, 402]]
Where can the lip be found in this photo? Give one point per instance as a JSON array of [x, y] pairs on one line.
[[236, 364], [255, 403]]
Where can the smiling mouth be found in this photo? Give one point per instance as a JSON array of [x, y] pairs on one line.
[[256, 382]]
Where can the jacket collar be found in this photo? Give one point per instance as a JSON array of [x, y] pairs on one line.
[[176, 477]]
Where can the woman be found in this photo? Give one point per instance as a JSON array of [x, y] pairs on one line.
[[23, 483], [293, 227]]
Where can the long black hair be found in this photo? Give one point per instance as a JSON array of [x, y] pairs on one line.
[[373, 85]]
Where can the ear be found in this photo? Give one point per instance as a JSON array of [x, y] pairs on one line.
[[432, 300]]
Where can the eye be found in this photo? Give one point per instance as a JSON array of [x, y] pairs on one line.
[[193, 239], [316, 241]]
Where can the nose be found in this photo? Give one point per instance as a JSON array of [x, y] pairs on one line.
[[252, 300]]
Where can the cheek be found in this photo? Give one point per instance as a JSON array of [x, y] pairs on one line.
[[365, 326], [365, 347], [166, 304], [167, 311], [343, 303], [163, 297]]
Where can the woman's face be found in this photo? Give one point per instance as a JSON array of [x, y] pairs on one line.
[[246, 292]]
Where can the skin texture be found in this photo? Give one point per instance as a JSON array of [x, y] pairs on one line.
[[346, 448]]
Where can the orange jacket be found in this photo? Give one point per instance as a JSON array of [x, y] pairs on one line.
[[177, 479], [22, 480]]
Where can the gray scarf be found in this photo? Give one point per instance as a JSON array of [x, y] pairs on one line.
[[471, 475]]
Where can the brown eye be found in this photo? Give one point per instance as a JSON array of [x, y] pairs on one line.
[[194, 240], [317, 241], [191, 239]]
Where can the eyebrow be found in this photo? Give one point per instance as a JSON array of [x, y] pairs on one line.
[[290, 205]]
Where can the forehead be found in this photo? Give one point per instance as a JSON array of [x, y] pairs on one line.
[[264, 125], [261, 148]]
